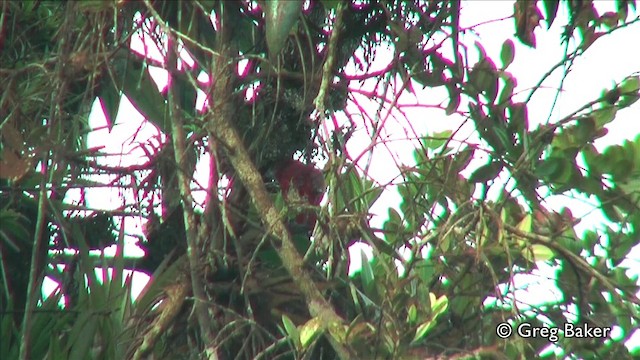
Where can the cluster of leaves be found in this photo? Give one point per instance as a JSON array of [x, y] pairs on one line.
[[455, 248]]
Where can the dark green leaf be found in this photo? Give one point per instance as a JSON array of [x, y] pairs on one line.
[[330, 4], [281, 15], [454, 99], [486, 172], [139, 87], [549, 167], [507, 54], [550, 9], [110, 102], [291, 330], [519, 119], [507, 90], [604, 116], [367, 275], [438, 139], [630, 91]]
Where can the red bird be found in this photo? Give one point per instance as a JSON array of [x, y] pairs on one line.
[[309, 186]]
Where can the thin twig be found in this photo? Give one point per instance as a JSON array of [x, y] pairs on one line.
[[327, 76]]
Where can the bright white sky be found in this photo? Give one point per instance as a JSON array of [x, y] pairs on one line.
[[608, 61]]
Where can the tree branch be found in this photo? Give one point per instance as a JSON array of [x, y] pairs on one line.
[[220, 126]]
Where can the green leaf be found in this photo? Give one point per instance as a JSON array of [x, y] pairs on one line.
[[438, 307], [549, 166], [141, 90], [486, 172], [281, 15], [367, 274], [630, 85], [412, 314], [454, 99], [110, 102], [519, 118], [423, 330], [187, 92], [611, 212], [604, 116], [291, 330], [85, 331], [393, 226], [585, 131], [550, 9], [526, 224], [309, 332], [483, 78], [499, 131], [507, 54], [565, 174], [538, 252], [330, 4], [630, 91], [507, 90]]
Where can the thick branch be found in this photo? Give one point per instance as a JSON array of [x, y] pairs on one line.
[[184, 180], [220, 126], [329, 63]]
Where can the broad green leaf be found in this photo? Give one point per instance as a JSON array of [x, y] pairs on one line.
[[85, 332], [482, 53], [604, 116], [547, 167], [143, 93], [507, 54], [412, 314], [558, 170], [566, 178], [630, 85], [292, 330], [187, 94], [281, 16], [611, 212], [486, 172], [484, 233], [423, 330], [537, 252], [393, 226], [437, 140], [330, 4], [526, 224], [110, 102], [507, 90], [585, 131], [438, 305], [367, 274], [310, 331], [426, 271], [483, 78], [518, 119], [631, 187], [550, 9], [500, 132], [454, 99], [630, 91]]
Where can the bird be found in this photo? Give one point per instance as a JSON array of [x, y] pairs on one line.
[[301, 184]]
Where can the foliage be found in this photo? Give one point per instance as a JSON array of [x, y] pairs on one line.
[[238, 278]]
